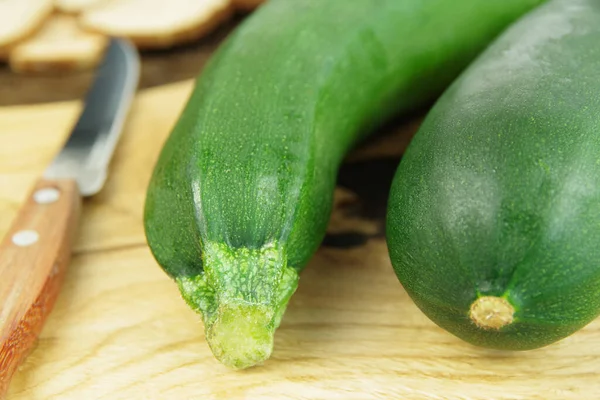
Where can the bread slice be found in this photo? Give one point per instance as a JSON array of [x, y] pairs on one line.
[[75, 6], [248, 5], [60, 45], [157, 23], [20, 19]]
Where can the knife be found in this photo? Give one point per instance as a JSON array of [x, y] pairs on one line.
[[37, 249]]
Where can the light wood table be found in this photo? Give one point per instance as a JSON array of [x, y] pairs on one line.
[[121, 331]]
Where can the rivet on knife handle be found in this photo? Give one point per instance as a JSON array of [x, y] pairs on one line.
[[33, 259]]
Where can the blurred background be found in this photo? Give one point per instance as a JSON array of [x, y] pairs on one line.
[[49, 48]]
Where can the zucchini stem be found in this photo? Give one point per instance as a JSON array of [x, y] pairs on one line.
[[241, 296], [491, 312], [242, 334]]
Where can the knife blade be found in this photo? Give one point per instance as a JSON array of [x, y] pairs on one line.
[[36, 251]]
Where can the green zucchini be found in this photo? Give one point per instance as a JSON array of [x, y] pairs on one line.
[[493, 223], [242, 192]]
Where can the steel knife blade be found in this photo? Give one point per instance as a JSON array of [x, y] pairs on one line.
[[87, 152], [37, 249]]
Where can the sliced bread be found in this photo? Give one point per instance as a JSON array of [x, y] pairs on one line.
[[60, 45], [20, 19], [157, 23], [75, 6]]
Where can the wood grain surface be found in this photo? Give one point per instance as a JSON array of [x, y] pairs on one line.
[[120, 330]]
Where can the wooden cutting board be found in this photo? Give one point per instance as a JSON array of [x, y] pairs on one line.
[[121, 331]]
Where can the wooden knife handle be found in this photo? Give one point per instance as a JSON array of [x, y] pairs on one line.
[[33, 259]]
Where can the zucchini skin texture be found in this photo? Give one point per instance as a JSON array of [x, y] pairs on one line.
[[498, 194], [247, 177]]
